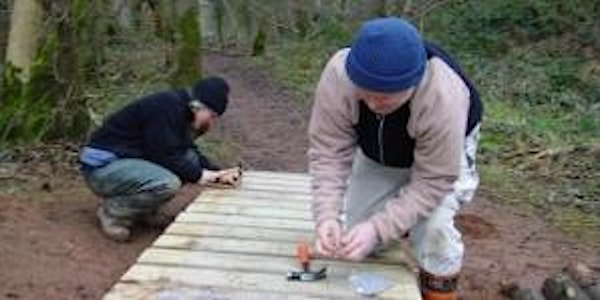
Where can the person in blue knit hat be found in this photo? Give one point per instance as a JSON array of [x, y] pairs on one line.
[[140, 156], [393, 136]]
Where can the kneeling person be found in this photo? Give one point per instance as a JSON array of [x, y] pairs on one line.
[[139, 158], [393, 136]]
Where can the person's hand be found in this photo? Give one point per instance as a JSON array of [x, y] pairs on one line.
[[359, 242], [231, 176], [209, 177], [329, 233]]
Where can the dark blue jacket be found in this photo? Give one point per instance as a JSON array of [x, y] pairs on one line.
[[156, 128]]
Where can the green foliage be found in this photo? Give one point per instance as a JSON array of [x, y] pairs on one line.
[[537, 67], [220, 149], [134, 66], [553, 103], [298, 62], [532, 64], [258, 47], [50, 105], [492, 28]]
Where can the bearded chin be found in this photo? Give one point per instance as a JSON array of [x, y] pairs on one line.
[[200, 131]]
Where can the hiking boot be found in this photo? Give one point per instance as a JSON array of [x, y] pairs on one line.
[[111, 227], [438, 287], [157, 220]]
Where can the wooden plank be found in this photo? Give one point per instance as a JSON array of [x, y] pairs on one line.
[[251, 187], [405, 288], [274, 183], [240, 243], [256, 247], [277, 181], [275, 175], [278, 175], [225, 208], [237, 232], [259, 263], [245, 221], [251, 194], [227, 245], [248, 185], [162, 290], [259, 192], [256, 202]]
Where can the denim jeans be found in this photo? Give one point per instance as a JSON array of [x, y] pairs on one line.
[[132, 187]]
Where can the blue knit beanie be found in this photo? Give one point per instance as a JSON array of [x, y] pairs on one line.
[[387, 56]]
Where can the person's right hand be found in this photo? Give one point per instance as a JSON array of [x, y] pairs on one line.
[[231, 177], [329, 235]]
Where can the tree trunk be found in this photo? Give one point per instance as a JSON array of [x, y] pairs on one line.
[[27, 78], [4, 27], [26, 24], [123, 13], [80, 48], [51, 49], [208, 21], [189, 43], [302, 18]]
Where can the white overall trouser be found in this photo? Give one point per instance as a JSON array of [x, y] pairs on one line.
[[436, 243]]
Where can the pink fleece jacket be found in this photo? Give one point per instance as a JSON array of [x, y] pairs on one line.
[[438, 119]]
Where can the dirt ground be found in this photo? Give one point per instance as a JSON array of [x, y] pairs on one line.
[[51, 247]]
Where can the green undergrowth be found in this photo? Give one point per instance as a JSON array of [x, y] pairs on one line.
[[537, 67]]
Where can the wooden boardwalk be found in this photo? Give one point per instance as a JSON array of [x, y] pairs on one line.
[[240, 244]]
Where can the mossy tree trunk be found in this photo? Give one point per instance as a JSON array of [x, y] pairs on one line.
[[80, 52], [51, 47], [24, 107], [188, 43], [26, 26]]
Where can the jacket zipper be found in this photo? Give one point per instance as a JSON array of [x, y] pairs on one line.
[[381, 119]]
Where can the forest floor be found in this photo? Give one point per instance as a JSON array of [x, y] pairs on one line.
[[52, 249]]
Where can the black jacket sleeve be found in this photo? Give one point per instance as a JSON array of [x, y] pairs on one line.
[[205, 162]]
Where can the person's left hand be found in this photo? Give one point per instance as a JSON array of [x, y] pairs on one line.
[[359, 242]]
